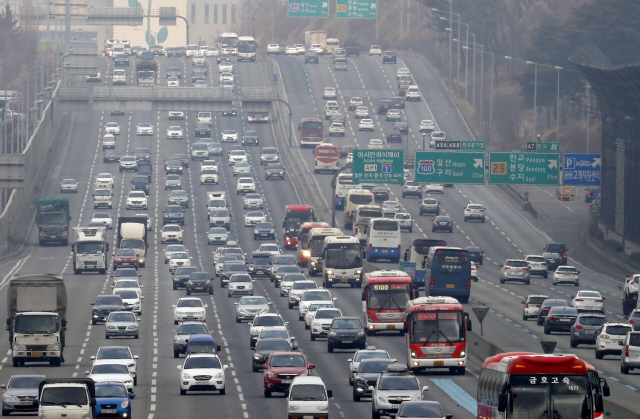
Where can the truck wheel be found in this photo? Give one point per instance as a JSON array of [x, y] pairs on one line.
[[102, 271], [176, 354], [16, 363], [267, 393]]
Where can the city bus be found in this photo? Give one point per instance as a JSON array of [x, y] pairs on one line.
[[355, 197], [315, 244], [343, 185], [598, 386], [530, 385], [326, 158], [364, 213], [341, 261], [385, 296], [311, 132], [294, 216], [436, 332], [415, 259], [302, 247], [449, 273], [383, 240], [247, 48], [228, 43]]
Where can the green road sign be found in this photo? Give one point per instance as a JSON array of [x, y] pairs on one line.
[[449, 167], [308, 8], [544, 147], [363, 9], [524, 168], [378, 166]]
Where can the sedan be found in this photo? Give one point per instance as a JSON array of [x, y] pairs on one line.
[[264, 230], [184, 332], [401, 126], [253, 200], [291, 50], [105, 180], [171, 233], [442, 222], [330, 93], [121, 324], [172, 182], [394, 136], [110, 371], [112, 128], [355, 102], [588, 301], [567, 275], [229, 136], [345, 150], [174, 132], [171, 249], [393, 115], [390, 207], [434, 187], [403, 72], [254, 217], [437, 136], [427, 125], [362, 112], [226, 76], [19, 394], [217, 235], [189, 308], [560, 319], [380, 193], [374, 144], [68, 185], [144, 128], [103, 218], [179, 259], [405, 221]]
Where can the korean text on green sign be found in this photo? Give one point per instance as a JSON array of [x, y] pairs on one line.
[[378, 166]]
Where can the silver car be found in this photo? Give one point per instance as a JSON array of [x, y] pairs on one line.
[[184, 332], [217, 235], [68, 185], [121, 324], [515, 270], [395, 386], [566, 275], [253, 201], [171, 249], [370, 353], [586, 328], [20, 393], [179, 197], [630, 357], [172, 182], [250, 306]]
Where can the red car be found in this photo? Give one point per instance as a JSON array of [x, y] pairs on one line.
[[281, 369], [125, 258], [402, 90]]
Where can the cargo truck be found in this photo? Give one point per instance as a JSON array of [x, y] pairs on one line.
[[316, 38], [90, 249], [147, 73], [352, 47], [52, 218], [132, 234], [70, 398], [36, 318]]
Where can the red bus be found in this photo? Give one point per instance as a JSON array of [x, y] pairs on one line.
[[384, 300], [530, 385], [326, 158], [294, 216], [302, 251], [311, 131], [436, 331]]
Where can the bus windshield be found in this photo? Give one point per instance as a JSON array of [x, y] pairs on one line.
[[388, 296], [246, 46], [314, 124], [229, 41], [343, 256], [316, 246], [364, 199], [437, 327], [548, 396]]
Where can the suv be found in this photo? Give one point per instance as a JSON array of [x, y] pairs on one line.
[[560, 319], [559, 248], [280, 370], [532, 306], [384, 106], [537, 265], [412, 188], [261, 321], [474, 212], [586, 328], [630, 293], [389, 57], [553, 260], [245, 185], [546, 306], [611, 338], [630, 357], [199, 282], [366, 376], [345, 333], [515, 270], [393, 387], [430, 206], [311, 57], [260, 264], [173, 214]]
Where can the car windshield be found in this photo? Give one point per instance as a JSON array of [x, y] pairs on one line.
[[110, 369], [536, 300], [218, 230], [274, 334], [517, 263], [240, 278], [264, 226], [190, 303], [304, 285], [180, 194], [111, 390], [252, 301], [370, 355], [316, 296], [173, 210], [256, 214], [374, 366], [307, 392], [192, 329], [263, 261], [25, 382], [114, 300], [127, 295], [179, 255], [567, 270], [234, 267], [398, 383], [122, 317], [185, 271], [171, 228], [288, 361], [268, 321], [126, 272], [346, 324], [116, 352], [592, 320], [175, 247], [273, 345], [421, 410], [202, 362]]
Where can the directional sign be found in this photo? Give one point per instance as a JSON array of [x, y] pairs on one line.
[[449, 167], [545, 147], [581, 169], [363, 9], [308, 8], [378, 166], [524, 168]]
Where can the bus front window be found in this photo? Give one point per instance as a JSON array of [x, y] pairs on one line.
[[388, 296], [549, 396], [442, 327]]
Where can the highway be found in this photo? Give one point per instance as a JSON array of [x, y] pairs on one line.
[[508, 233]]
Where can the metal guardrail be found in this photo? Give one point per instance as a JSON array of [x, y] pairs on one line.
[[258, 93], [164, 93]]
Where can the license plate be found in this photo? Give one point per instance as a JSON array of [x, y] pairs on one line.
[[385, 251], [263, 234], [307, 417], [109, 411], [122, 331], [36, 353], [286, 381], [189, 317], [199, 288], [391, 326], [450, 285], [26, 403], [347, 341], [565, 320], [201, 383], [395, 406], [344, 280], [438, 363]]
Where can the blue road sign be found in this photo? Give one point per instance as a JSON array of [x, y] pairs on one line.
[[581, 169]]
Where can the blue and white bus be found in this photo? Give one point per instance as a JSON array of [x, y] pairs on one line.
[[415, 259], [449, 273], [383, 240]]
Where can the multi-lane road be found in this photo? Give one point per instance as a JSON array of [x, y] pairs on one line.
[[508, 233]]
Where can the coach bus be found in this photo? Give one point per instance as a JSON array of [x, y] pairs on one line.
[[326, 158], [449, 273], [385, 296], [302, 242], [384, 240], [415, 258], [311, 131], [341, 261], [355, 197]]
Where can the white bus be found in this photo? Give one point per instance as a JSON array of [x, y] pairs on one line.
[[355, 197], [342, 261], [192, 50], [247, 48], [315, 244], [228, 43], [344, 184], [383, 240], [364, 213]]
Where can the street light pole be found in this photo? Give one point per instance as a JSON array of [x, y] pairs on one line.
[[481, 80], [491, 96], [424, 138], [535, 97], [558, 106], [474, 70]]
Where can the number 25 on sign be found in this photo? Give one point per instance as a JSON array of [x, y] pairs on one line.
[[370, 167], [499, 168]]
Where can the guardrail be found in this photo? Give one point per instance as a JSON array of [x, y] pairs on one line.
[[250, 94]]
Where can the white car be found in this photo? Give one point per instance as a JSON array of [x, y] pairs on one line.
[[179, 115], [272, 248], [375, 144], [226, 76], [229, 136], [322, 321], [253, 200], [131, 300], [362, 112], [245, 185], [241, 168], [588, 301], [365, 125], [262, 321], [336, 128], [474, 272], [390, 207], [217, 235], [112, 128], [312, 296], [144, 128], [127, 284], [301, 49], [405, 221], [171, 249], [108, 371], [537, 265], [291, 51], [179, 259], [189, 308], [254, 217], [102, 217], [199, 151], [171, 233], [119, 355], [354, 102], [199, 59], [226, 84], [202, 372], [531, 306], [212, 52], [200, 84], [330, 111], [296, 290], [136, 199], [427, 125], [240, 284], [317, 48], [287, 282], [68, 185], [610, 339], [437, 136], [330, 93], [204, 118], [273, 49], [566, 274], [173, 81], [174, 132], [237, 156], [434, 187], [375, 50], [393, 115], [329, 103], [108, 141], [403, 72], [413, 93], [128, 163], [474, 212], [349, 158], [311, 312], [225, 67]]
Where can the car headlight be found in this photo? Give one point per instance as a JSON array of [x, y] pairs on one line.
[[313, 264], [9, 398], [416, 398], [382, 398], [315, 324], [271, 374], [414, 354], [323, 408], [85, 415], [462, 354], [359, 271], [219, 375], [294, 408], [185, 376], [333, 334], [112, 327], [55, 347], [360, 333], [124, 404], [257, 356], [132, 327]]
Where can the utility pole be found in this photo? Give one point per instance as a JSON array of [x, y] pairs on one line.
[[67, 26]]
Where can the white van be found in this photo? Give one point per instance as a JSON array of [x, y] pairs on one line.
[[119, 76], [308, 396], [383, 240]]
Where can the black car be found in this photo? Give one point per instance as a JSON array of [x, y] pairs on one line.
[[546, 306], [475, 254], [233, 111], [560, 319], [590, 193], [121, 60], [553, 260], [199, 282], [111, 156], [250, 138], [173, 214], [389, 57], [367, 376], [183, 157], [265, 347], [264, 231], [182, 275], [346, 333], [104, 305], [345, 150], [173, 166], [274, 170], [311, 57], [142, 154], [231, 268], [146, 56], [198, 73], [280, 271], [117, 113], [144, 169], [559, 248], [401, 126], [174, 72], [442, 222], [140, 183], [398, 102], [259, 264], [203, 130], [380, 193], [384, 106], [394, 136]]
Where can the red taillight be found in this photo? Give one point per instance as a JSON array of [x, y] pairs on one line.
[[599, 301], [564, 255], [469, 283], [468, 209], [419, 187], [626, 351], [506, 267], [545, 309], [603, 336], [553, 318], [370, 247], [525, 269], [434, 223], [579, 299], [577, 326], [630, 321], [431, 283], [337, 196], [398, 248], [355, 231], [526, 305]]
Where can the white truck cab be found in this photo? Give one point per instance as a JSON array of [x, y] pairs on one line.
[[119, 76], [70, 398], [308, 396]]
